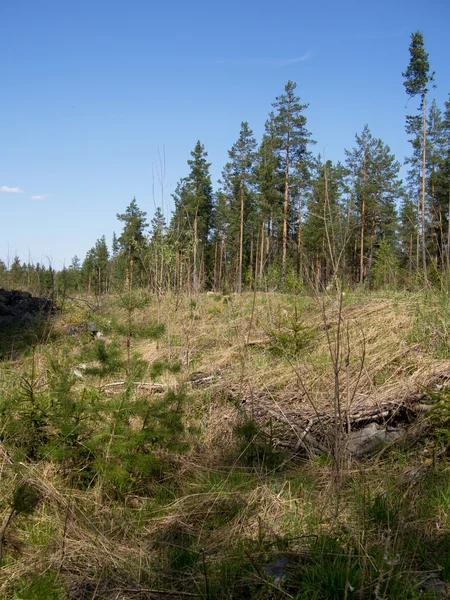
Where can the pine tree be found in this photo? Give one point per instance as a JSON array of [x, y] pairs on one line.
[[192, 218], [158, 251], [294, 138], [408, 233], [101, 260], [323, 233], [437, 209], [221, 231], [3, 274], [132, 240], [201, 202], [115, 246], [16, 273], [417, 78], [95, 267], [374, 175], [74, 274], [414, 176], [242, 161], [134, 227], [445, 176], [270, 183]]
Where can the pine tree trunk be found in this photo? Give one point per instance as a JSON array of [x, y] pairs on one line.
[[285, 216], [189, 275], [434, 240], [180, 276], [418, 230], [440, 244], [424, 164], [222, 260], [251, 262], [194, 281], [261, 258], [241, 241], [299, 238], [448, 235], [256, 264], [372, 244], [201, 280], [216, 265], [410, 256], [361, 254], [363, 217]]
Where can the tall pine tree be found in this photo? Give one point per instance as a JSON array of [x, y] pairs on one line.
[[417, 79], [290, 124], [242, 161]]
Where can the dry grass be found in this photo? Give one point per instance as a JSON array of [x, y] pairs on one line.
[[210, 335], [211, 502]]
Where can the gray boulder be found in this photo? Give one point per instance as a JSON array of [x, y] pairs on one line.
[[18, 308]]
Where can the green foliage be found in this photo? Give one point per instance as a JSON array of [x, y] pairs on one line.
[[158, 367], [417, 76], [384, 510], [440, 414], [431, 324], [256, 445], [26, 498], [24, 415], [108, 355], [385, 270], [292, 336], [132, 236], [135, 299], [94, 269], [39, 586], [92, 435], [373, 177]]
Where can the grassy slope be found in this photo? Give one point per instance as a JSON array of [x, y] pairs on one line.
[[221, 507]]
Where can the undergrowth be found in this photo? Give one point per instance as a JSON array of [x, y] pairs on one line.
[[123, 478]]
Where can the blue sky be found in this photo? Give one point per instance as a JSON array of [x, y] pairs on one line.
[[102, 100]]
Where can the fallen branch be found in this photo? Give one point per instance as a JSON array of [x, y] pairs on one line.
[[256, 342], [155, 387], [172, 593]]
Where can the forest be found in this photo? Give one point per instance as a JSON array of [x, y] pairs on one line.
[[251, 400], [284, 217]]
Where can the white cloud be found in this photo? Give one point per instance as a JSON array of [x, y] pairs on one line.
[[40, 196], [11, 190], [266, 62]]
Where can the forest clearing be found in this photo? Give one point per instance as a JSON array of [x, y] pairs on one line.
[[245, 393], [200, 447]]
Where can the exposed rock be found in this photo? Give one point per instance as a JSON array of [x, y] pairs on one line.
[[92, 328], [18, 308], [434, 584], [372, 436], [283, 566]]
